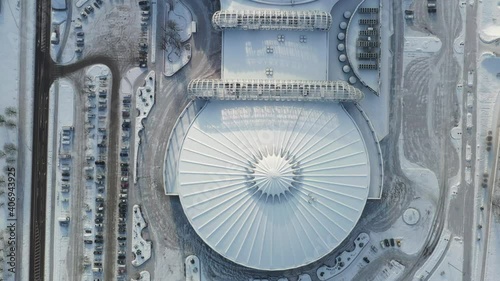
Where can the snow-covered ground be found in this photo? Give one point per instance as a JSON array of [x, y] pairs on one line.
[[144, 102], [112, 27], [17, 22], [488, 110], [141, 248], [425, 270], [58, 203], [193, 270], [450, 267], [175, 59], [493, 251], [143, 276], [489, 21], [391, 271]]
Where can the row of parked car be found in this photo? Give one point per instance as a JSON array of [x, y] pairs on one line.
[[143, 45], [124, 185], [95, 169]]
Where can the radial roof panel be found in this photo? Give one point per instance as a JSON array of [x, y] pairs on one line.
[[273, 185]]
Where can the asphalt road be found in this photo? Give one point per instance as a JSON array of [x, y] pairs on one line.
[[43, 67], [470, 58]]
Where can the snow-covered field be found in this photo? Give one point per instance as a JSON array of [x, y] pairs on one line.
[[62, 105], [15, 146]]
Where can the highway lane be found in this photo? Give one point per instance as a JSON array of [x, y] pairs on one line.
[[42, 83], [467, 217]]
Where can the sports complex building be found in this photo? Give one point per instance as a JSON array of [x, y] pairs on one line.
[[274, 162]]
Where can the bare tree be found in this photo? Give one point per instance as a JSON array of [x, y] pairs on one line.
[[10, 148], [172, 25], [10, 160], [11, 111], [11, 124]]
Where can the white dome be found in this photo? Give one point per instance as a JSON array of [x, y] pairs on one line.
[[273, 185]]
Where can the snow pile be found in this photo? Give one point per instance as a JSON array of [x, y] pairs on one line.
[[141, 248], [144, 101]]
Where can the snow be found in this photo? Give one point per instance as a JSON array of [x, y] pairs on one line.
[[193, 272], [182, 16], [144, 102], [488, 83], [17, 29], [493, 257], [60, 25], [174, 59], [323, 5], [424, 271], [138, 243], [61, 114], [154, 13], [143, 276], [422, 44], [489, 24], [346, 258], [247, 54], [451, 265], [391, 271], [58, 4], [80, 3]]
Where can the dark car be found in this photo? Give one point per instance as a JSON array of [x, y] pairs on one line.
[[98, 220], [97, 252], [392, 242], [366, 260], [87, 241], [122, 238], [99, 236], [386, 243], [99, 241]]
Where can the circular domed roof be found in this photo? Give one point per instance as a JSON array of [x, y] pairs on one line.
[[273, 185]]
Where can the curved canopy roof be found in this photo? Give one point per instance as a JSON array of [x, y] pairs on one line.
[[273, 185]]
